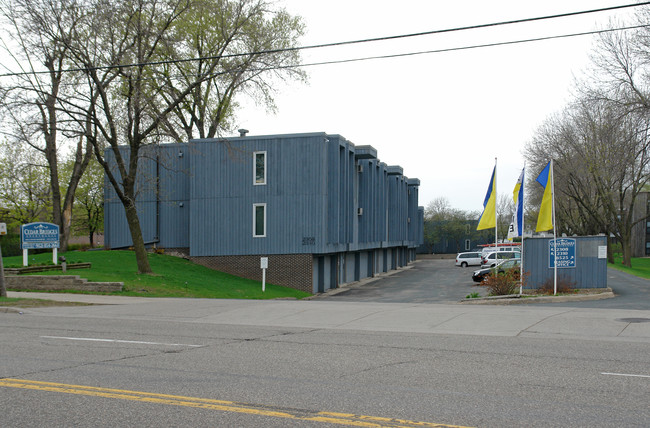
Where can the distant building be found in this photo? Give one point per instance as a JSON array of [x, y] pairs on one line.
[[324, 211]]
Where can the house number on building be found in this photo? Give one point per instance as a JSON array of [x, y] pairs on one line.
[[308, 240]]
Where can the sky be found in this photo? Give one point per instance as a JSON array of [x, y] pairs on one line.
[[442, 117]]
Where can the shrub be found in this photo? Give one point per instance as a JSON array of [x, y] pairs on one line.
[[503, 284], [10, 245], [564, 285]]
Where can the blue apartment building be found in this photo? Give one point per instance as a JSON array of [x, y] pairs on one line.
[[323, 211]]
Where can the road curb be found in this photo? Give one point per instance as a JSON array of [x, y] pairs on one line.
[[517, 299], [8, 310]]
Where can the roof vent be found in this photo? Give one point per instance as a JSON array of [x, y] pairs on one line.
[[242, 132]]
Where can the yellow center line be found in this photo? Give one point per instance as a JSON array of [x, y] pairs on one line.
[[220, 405]]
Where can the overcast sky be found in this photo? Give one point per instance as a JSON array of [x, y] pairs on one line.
[[443, 117]]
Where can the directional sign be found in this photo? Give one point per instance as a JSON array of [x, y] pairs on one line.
[[39, 235], [566, 253]]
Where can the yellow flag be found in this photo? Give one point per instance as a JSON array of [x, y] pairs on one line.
[[545, 218], [489, 217]]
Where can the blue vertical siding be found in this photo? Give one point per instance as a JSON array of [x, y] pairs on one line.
[[589, 271], [162, 195], [200, 195]]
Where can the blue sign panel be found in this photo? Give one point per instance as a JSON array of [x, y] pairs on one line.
[[566, 253], [39, 235]]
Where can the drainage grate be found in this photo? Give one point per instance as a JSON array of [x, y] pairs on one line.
[[634, 320]]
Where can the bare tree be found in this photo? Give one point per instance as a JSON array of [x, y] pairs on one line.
[[601, 165]]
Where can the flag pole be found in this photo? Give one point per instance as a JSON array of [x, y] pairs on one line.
[[523, 221], [496, 203], [554, 231]]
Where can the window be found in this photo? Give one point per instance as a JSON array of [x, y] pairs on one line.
[[259, 168], [259, 220]]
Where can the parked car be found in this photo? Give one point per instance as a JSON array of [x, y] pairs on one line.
[[504, 266], [488, 250], [492, 259], [468, 259]]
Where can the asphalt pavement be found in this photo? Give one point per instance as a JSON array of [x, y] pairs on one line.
[[423, 298]]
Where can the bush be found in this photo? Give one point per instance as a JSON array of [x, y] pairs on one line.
[[564, 285], [503, 284], [10, 245]]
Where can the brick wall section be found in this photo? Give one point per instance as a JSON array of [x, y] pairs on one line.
[[58, 283], [289, 270]]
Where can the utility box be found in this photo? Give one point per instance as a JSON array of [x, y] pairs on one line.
[[581, 261]]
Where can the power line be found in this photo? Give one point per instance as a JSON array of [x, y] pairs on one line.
[[376, 39], [460, 48]]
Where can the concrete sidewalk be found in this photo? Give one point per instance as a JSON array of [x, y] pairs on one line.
[[511, 321]]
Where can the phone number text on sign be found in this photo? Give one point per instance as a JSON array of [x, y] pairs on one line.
[[566, 253]]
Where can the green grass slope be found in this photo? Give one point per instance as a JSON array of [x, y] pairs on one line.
[[172, 277]]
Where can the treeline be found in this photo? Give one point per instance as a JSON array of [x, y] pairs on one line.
[[600, 141]]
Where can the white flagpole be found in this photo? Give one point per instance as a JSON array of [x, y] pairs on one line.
[[554, 231], [523, 219], [496, 200]]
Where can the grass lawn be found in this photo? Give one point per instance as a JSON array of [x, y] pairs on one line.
[[173, 276], [640, 266]]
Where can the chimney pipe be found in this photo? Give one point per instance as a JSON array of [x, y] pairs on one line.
[[242, 132]]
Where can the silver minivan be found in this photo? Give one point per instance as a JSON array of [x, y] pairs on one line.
[[468, 259]]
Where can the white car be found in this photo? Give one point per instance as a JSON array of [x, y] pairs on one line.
[[492, 259], [468, 259]]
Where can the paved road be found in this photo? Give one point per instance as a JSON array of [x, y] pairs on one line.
[[327, 362], [439, 281], [203, 362]]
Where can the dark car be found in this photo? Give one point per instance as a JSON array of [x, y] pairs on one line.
[[481, 274]]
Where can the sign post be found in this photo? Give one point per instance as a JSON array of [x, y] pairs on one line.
[[39, 235], [264, 264]]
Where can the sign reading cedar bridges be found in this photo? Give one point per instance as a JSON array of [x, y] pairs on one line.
[[566, 253], [39, 235]]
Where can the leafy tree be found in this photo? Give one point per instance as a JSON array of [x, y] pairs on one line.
[[600, 143], [248, 48], [140, 71], [24, 187], [30, 106], [442, 223], [89, 210]]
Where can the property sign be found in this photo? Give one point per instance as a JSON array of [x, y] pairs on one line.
[[566, 253], [39, 235]]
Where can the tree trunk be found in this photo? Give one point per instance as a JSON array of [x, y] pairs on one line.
[[136, 236], [626, 246], [610, 250]]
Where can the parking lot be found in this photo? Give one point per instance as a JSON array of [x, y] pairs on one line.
[[440, 281], [425, 281]]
